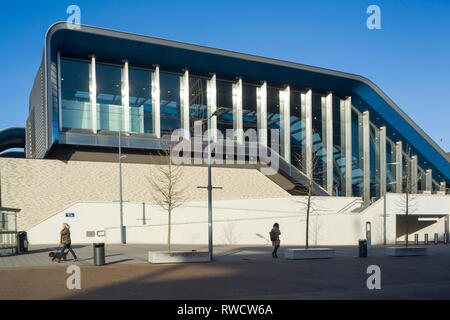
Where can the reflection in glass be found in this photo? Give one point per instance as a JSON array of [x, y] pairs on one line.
[[170, 102], [141, 120], [109, 97], [224, 91], [198, 109], [76, 106], [273, 112], [249, 110]]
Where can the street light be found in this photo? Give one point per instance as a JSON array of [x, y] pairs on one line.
[[216, 113], [122, 230]]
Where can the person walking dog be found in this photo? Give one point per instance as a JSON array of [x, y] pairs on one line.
[[275, 238], [66, 243]]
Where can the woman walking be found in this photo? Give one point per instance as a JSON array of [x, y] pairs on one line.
[[66, 243], [275, 238]]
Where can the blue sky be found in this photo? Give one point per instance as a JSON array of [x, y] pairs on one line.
[[409, 58]]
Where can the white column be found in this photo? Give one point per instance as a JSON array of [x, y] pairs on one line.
[[184, 99], [211, 97], [381, 161], [327, 139], [428, 180], [156, 103], [261, 114], [306, 105], [285, 123], [59, 92], [93, 94], [346, 143], [237, 111], [413, 174], [125, 98], [366, 157], [442, 186], [398, 167]]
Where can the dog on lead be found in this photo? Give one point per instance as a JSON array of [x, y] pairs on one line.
[[55, 255]]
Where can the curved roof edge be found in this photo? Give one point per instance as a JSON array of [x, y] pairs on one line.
[[233, 54], [13, 137]]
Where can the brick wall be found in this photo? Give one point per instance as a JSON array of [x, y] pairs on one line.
[[41, 188]]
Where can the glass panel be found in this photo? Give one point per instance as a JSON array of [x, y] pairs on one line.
[[297, 129], [198, 109], [373, 170], [318, 147], [249, 110], [141, 110], [170, 102], [225, 100], [357, 172], [390, 158], [273, 112], [76, 106], [109, 97], [338, 160]]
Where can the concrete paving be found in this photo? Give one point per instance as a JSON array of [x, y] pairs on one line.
[[238, 275], [138, 253]]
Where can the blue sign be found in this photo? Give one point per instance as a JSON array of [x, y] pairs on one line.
[[70, 215]]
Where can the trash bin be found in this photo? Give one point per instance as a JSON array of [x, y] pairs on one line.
[[416, 239], [22, 242], [99, 254], [425, 240], [436, 238], [362, 248]]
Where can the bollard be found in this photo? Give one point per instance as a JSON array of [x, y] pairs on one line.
[[445, 237], [416, 239], [436, 238], [425, 240]]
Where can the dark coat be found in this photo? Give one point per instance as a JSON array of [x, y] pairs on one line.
[[65, 236]]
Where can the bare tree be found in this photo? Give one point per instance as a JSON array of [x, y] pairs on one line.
[[168, 189], [313, 171]]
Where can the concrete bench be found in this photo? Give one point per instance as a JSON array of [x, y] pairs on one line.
[[406, 251], [311, 253], [177, 256]]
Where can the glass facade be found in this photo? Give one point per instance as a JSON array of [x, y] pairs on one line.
[[110, 113], [224, 100], [135, 112], [249, 110], [170, 102], [273, 112], [76, 106], [141, 108]]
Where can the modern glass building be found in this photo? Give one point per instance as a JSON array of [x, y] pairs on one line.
[[93, 83]]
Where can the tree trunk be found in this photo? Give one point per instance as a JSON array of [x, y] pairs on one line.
[[307, 213], [169, 225]]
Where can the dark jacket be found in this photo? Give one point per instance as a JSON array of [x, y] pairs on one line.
[[65, 236]]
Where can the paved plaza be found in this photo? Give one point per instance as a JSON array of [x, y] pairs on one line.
[[238, 273]]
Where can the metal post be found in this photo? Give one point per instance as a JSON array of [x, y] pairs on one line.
[[425, 240], [384, 220], [122, 236], [416, 239], [210, 235]]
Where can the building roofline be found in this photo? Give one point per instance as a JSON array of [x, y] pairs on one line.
[[249, 57]]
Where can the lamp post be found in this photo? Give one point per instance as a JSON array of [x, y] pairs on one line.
[[122, 231], [216, 113]]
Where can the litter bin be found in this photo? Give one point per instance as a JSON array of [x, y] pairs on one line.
[[22, 242], [362, 248], [416, 239], [425, 240], [436, 238], [99, 254]]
